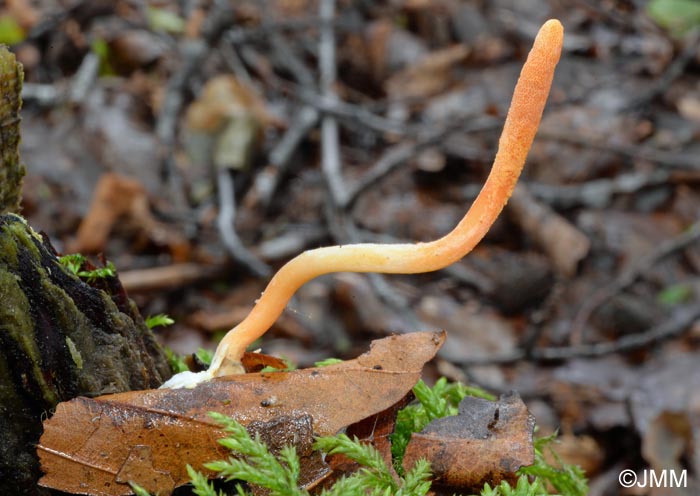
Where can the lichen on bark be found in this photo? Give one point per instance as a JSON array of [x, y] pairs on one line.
[[11, 169]]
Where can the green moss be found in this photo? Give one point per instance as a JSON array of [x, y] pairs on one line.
[[160, 320], [27, 238], [14, 236], [72, 262], [11, 170], [19, 329], [8, 247]]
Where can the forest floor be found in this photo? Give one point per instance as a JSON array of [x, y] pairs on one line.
[[200, 147]]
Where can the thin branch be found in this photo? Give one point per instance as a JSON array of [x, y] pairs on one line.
[[399, 154], [235, 63], [267, 181], [225, 223], [597, 193], [169, 277], [360, 115], [295, 240], [288, 59], [679, 322], [685, 161], [51, 95], [84, 78], [628, 277], [330, 150], [44, 95]]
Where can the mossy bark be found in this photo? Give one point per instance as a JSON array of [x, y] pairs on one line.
[[59, 338], [11, 169]]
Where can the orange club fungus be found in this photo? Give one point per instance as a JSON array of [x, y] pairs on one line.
[[522, 121]]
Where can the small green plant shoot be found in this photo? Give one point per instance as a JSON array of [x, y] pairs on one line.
[[159, 320], [74, 263]]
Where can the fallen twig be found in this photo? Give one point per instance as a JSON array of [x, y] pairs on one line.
[[84, 78], [355, 113], [563, 242], [680, 321], [330, 149], [225, 223], [597, 193], [168, 277], [628, 277], [399, 154], [677, 160], [267, 180]]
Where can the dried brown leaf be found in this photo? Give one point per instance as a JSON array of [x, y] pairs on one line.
[[427, 77], [375, 430], [562, 241], [114, 197], [97, 445], [222, 98], [487, 442], [118, 198], [255, 362]]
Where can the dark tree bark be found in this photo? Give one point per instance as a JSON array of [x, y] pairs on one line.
[[59, 338]]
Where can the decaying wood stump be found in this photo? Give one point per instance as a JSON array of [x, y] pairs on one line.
[[11, 169], [59, 338]]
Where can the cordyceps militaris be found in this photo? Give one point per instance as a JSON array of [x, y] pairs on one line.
[[522, 121]]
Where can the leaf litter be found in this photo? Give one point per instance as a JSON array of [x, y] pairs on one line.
[[98, 445]]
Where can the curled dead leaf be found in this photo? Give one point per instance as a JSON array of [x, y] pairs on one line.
[[428, 76], [118, 198]]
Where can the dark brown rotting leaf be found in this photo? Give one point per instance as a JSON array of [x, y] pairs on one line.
[[255, 362], [374, 430], [296, 431], [486, 442]]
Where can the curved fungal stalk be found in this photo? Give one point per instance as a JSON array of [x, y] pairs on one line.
[[524, 115]]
